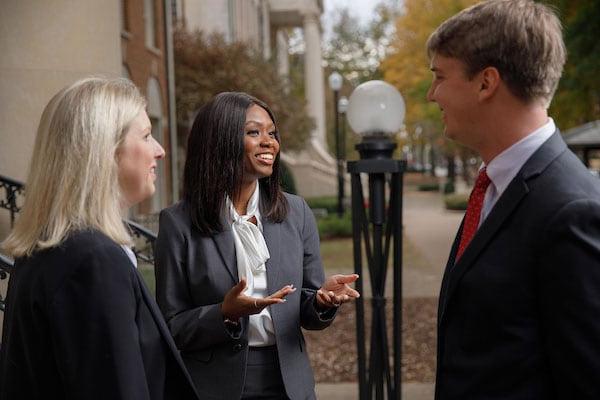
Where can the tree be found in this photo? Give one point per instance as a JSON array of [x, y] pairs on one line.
[[407, 68], [205, 66], [355, 51], [577, 99]]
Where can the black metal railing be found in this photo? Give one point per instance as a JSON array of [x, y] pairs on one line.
[[12, 189], [144, 246], [6, 264], [15, 190]]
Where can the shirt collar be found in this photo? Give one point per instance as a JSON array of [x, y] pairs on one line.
[[505, 166], [253, 208]]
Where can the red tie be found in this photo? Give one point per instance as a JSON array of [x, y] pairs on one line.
[[473, 211]]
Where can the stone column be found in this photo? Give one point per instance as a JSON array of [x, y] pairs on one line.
[[313, 76], [265, 34], [283, 60]]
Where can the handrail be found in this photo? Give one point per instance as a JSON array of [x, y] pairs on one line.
[[145, 253]]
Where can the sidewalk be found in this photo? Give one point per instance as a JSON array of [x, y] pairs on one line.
[[349, 391], [430, 229]]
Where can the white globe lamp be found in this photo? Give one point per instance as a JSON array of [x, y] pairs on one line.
[[376, 112]]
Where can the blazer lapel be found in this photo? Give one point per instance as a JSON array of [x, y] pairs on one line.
[[226, 248], [509, 200], [447, 270], [271, 233], [164, 330], [512, 196]]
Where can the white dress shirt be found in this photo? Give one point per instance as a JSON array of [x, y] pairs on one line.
[[250, 247], [130, 254], [505, 166]]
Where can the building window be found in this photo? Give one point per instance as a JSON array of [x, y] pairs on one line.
[[150, 23]]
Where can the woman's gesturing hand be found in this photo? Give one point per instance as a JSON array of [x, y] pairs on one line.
[[237, 305], [336, 291]]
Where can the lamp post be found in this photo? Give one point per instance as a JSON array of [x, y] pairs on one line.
[[376, 111], [335, 84], [419, 138], [342, 107]]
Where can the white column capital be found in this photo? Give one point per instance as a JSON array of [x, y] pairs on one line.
[[310, 16]]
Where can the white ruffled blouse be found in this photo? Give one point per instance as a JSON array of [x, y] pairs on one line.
[[252, 253]]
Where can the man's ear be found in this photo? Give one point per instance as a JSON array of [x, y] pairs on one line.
[[489, 82]]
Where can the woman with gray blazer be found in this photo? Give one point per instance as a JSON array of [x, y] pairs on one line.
[[238, 270]]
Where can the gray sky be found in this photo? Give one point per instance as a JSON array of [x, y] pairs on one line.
[[359, 8], [363, 9]]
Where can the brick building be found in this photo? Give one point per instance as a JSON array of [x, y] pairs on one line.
[[144, 50]]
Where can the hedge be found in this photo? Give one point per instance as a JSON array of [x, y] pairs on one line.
[[457, 201], [333, 226]]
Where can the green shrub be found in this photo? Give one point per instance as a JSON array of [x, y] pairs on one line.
[[449, 187], [147, 271], [428, 187], [457, 201], [328, 203], [333, 226]]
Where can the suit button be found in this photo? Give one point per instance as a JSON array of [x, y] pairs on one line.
[[237, 347]]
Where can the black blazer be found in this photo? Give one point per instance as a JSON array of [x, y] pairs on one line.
[[519, 313], [193, 274], [80, 324]]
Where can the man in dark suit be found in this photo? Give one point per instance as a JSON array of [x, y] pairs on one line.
[[519, 309]]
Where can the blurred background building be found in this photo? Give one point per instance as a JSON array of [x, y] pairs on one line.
[[47, 45], [265, 24]]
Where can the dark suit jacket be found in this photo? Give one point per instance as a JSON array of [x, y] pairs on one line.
[[193, 274], [80, 324], [519, 313]]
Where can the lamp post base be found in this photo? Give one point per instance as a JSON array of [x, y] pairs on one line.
[[376, 147], [381, 232]]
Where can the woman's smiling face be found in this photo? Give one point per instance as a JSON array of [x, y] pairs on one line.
[[260, 144]]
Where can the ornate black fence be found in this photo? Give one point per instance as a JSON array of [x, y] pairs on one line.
[[12, 189], [5, 267], [11, 201]]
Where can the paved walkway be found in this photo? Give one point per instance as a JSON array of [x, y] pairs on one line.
[[430, 229], [348, 391]]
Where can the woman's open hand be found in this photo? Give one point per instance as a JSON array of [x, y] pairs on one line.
[[336, 290], [236, 304]]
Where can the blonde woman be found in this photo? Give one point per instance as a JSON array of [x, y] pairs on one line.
[[79, 323]]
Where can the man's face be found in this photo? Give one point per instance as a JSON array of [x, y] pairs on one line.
[[457, 97]]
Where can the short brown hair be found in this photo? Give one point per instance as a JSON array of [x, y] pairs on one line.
[[521, 38]]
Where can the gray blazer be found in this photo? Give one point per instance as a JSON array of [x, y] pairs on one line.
[[193, 274]]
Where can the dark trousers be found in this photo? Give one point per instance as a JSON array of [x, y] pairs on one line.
[[263, 376]]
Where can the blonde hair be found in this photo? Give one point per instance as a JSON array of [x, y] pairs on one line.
[[521, 38], [73, 176]]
